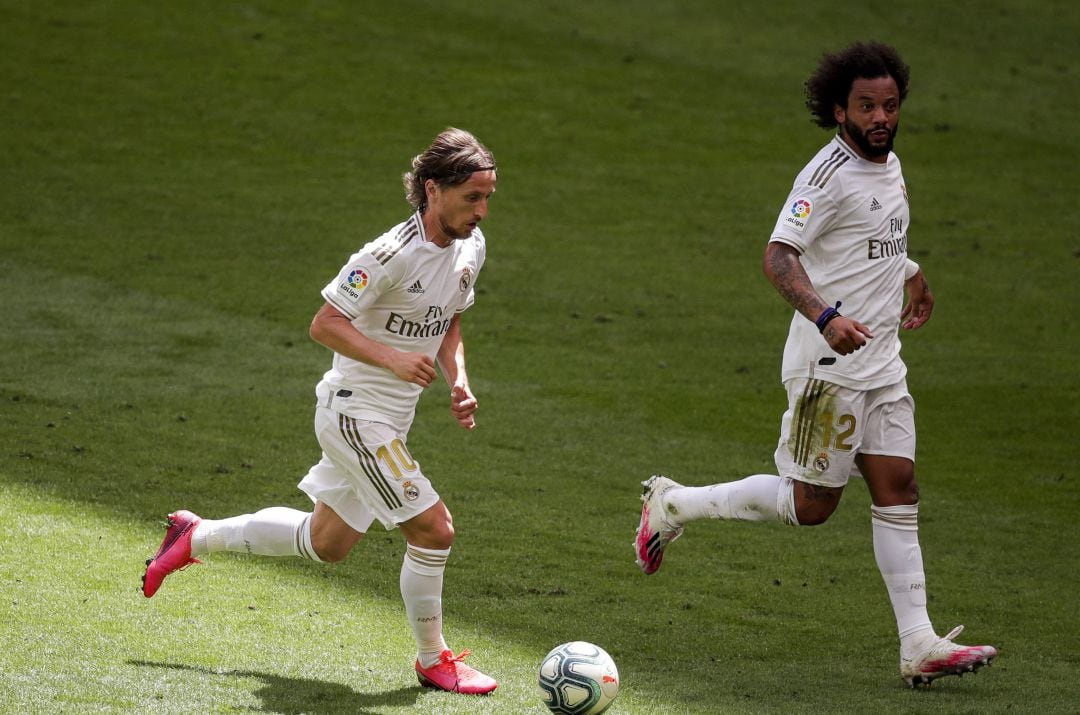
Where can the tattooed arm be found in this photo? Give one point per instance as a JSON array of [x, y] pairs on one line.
[[785, 271]]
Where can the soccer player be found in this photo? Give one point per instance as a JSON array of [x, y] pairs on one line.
[[391, 312], [838, 255]]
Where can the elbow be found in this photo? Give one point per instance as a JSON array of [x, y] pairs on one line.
[[329, 327], [318, 329]]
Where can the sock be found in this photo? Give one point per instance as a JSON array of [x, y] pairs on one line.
[[276, 531], [421, 589], [761, 497], [896, 549]]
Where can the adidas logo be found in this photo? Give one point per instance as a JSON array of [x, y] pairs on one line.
[[874, 205], [415, 288]]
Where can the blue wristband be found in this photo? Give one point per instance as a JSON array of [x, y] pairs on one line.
[[826, 315]]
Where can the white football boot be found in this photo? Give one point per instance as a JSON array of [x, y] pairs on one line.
[[654, 532], [943, 657]]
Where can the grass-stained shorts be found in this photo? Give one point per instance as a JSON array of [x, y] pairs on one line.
[[826, 425], [366, 472]]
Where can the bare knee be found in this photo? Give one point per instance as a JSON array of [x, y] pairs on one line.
[[909, 493], [814, 504], [331, 537], [442, 537], [813, 515], [434, 529], [891, 480], [333, 551], [436, 534], [331, 554]]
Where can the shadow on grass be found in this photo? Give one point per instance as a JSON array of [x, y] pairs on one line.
[[302, 695]]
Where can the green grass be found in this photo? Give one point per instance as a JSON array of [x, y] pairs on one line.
[[179, 183]]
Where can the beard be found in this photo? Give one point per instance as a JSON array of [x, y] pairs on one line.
[[453, 233], [863, 141]]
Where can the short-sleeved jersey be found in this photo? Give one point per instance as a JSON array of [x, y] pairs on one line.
[[848, 217], [400, 290]]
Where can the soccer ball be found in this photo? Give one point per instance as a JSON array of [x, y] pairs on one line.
[[578, 678]]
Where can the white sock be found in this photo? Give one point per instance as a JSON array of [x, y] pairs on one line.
[[421, 588], [896, 549], [761, 497], [276, 531]]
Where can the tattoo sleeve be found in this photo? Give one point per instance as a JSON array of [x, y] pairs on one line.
[[786, 273]]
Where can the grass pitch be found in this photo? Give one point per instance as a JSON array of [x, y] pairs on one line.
[[179, 182]]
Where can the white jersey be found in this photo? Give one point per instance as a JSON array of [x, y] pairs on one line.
[[848, 217], [400, 290]]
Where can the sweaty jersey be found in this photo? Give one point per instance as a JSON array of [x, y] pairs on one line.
[[848, 217], [400, 290]]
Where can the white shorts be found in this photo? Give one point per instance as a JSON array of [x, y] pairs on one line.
[[366, 472], [827, 425]]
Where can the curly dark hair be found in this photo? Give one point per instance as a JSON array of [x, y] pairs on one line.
[[449, 161], [830, 84]]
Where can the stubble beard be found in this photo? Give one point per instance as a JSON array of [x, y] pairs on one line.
[[449, 231]]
